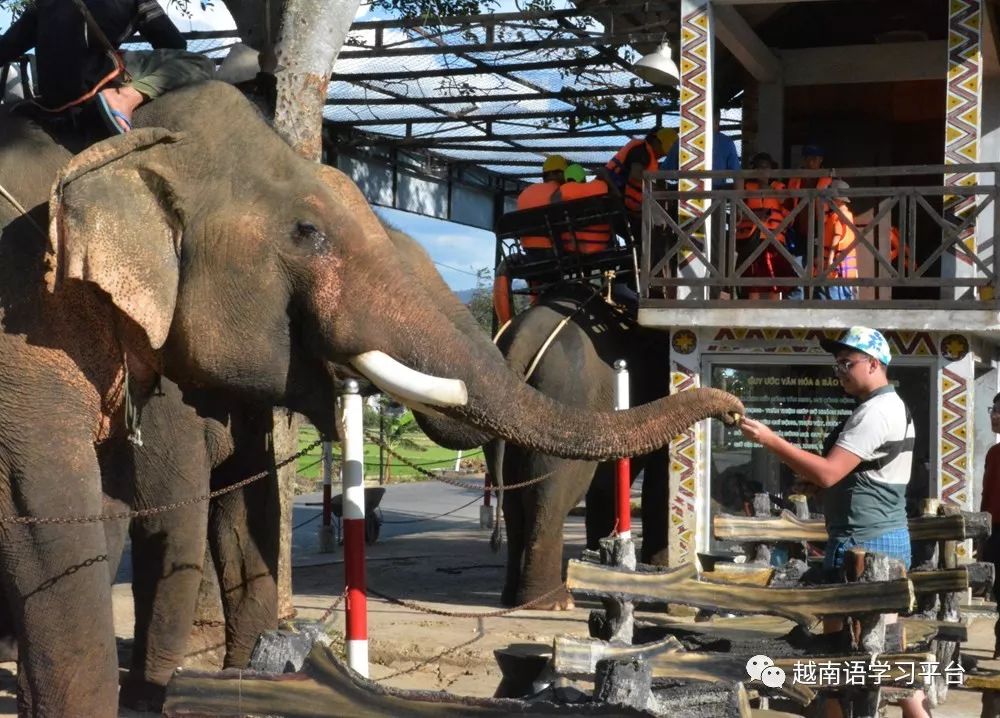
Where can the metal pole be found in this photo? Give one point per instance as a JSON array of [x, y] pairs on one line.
[[352, 473], [623, 485], [381, 441], [327, 483], [326, 539]]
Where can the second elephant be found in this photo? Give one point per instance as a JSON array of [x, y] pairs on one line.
[[587, 337]]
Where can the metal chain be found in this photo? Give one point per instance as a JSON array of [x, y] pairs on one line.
[[142, 513], [461, 483], [465, 614]]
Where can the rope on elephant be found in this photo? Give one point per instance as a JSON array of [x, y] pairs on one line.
[[143, 513], [460, 483], [554, 333], [420, 608], [20, 208]]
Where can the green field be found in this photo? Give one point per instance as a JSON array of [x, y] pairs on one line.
[[429, 458]]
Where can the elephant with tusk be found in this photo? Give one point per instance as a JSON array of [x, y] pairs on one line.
[[173, 250]]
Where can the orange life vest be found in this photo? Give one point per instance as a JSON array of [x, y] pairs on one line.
[[503, 302], [594, 237], [838, 236], [536, 195], [631, 189], [770, 210], [894, 248], [802, 219]]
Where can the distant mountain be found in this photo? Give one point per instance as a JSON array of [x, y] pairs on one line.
[[465, 295]]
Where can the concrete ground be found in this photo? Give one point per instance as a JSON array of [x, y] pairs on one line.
[[446, 563]]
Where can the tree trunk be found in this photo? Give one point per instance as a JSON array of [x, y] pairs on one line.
[[285, 442], [312, 33]]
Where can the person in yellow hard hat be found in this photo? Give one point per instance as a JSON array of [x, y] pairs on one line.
[[553, 169], [540, 194], [626, 168]]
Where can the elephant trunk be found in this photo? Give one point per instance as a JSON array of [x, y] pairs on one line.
[[500, 403]]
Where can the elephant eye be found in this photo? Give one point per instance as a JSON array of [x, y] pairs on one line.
[[309, 232]]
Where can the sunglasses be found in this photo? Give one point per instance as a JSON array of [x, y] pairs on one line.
[[842, 367]]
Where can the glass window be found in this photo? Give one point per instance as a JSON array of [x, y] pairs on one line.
[[802, 403]]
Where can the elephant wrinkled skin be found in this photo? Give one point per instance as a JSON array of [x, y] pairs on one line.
[[201, 247]]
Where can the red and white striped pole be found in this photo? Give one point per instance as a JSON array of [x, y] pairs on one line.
[[353, 476], [623, 467]]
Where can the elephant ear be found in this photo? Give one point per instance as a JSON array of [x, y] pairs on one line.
[[112, 222]]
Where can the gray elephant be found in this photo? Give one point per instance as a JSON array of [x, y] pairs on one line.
[[576, 369], [173, 250]]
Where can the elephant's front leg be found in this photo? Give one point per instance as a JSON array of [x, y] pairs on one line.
[[56, 582], [543, 558], [655, 508], [514, 510], [168, 548], [243, 532]]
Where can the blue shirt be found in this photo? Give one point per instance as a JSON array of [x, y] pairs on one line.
[[724, 154]]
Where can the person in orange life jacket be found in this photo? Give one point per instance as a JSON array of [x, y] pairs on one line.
[[812, 159], [76, 54], [771, 211], [594, 237], [838, 236], [539, 195], [626, 168]]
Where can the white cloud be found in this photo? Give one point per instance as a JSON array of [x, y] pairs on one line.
[[213, 17]]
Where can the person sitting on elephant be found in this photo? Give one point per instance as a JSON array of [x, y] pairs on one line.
[[79, 65], [591, 238]]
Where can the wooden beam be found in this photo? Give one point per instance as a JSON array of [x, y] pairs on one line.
[[621, 38], [565, 95], [787, 527], [940, 581], [326, 688], [741, 573], [889, 62], [924, 629], [746, 46], [803, 605]]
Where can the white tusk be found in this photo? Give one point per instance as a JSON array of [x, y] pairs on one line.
[[412, 386]]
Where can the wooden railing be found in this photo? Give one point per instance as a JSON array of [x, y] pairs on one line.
[[953, 264]]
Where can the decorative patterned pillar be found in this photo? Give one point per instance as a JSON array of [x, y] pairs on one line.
[[696, 127], [687, 465], [963, 122], [956, 379]]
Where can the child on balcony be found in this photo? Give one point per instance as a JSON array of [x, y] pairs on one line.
[[840, 257]]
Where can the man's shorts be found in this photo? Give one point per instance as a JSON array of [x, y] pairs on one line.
[[894, 544]]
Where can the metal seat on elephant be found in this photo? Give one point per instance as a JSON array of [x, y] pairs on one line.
[[561, 223]]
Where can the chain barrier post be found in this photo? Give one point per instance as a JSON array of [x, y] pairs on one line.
[[326, 541], [623, 467], [353, 477]]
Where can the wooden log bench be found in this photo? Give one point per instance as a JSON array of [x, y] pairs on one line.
[[326, 688], [787, 527], [805, 606]]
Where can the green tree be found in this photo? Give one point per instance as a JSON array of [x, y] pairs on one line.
[[481, 303], [396, 428]]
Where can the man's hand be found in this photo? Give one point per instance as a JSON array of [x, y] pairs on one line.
[[756, 431]]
